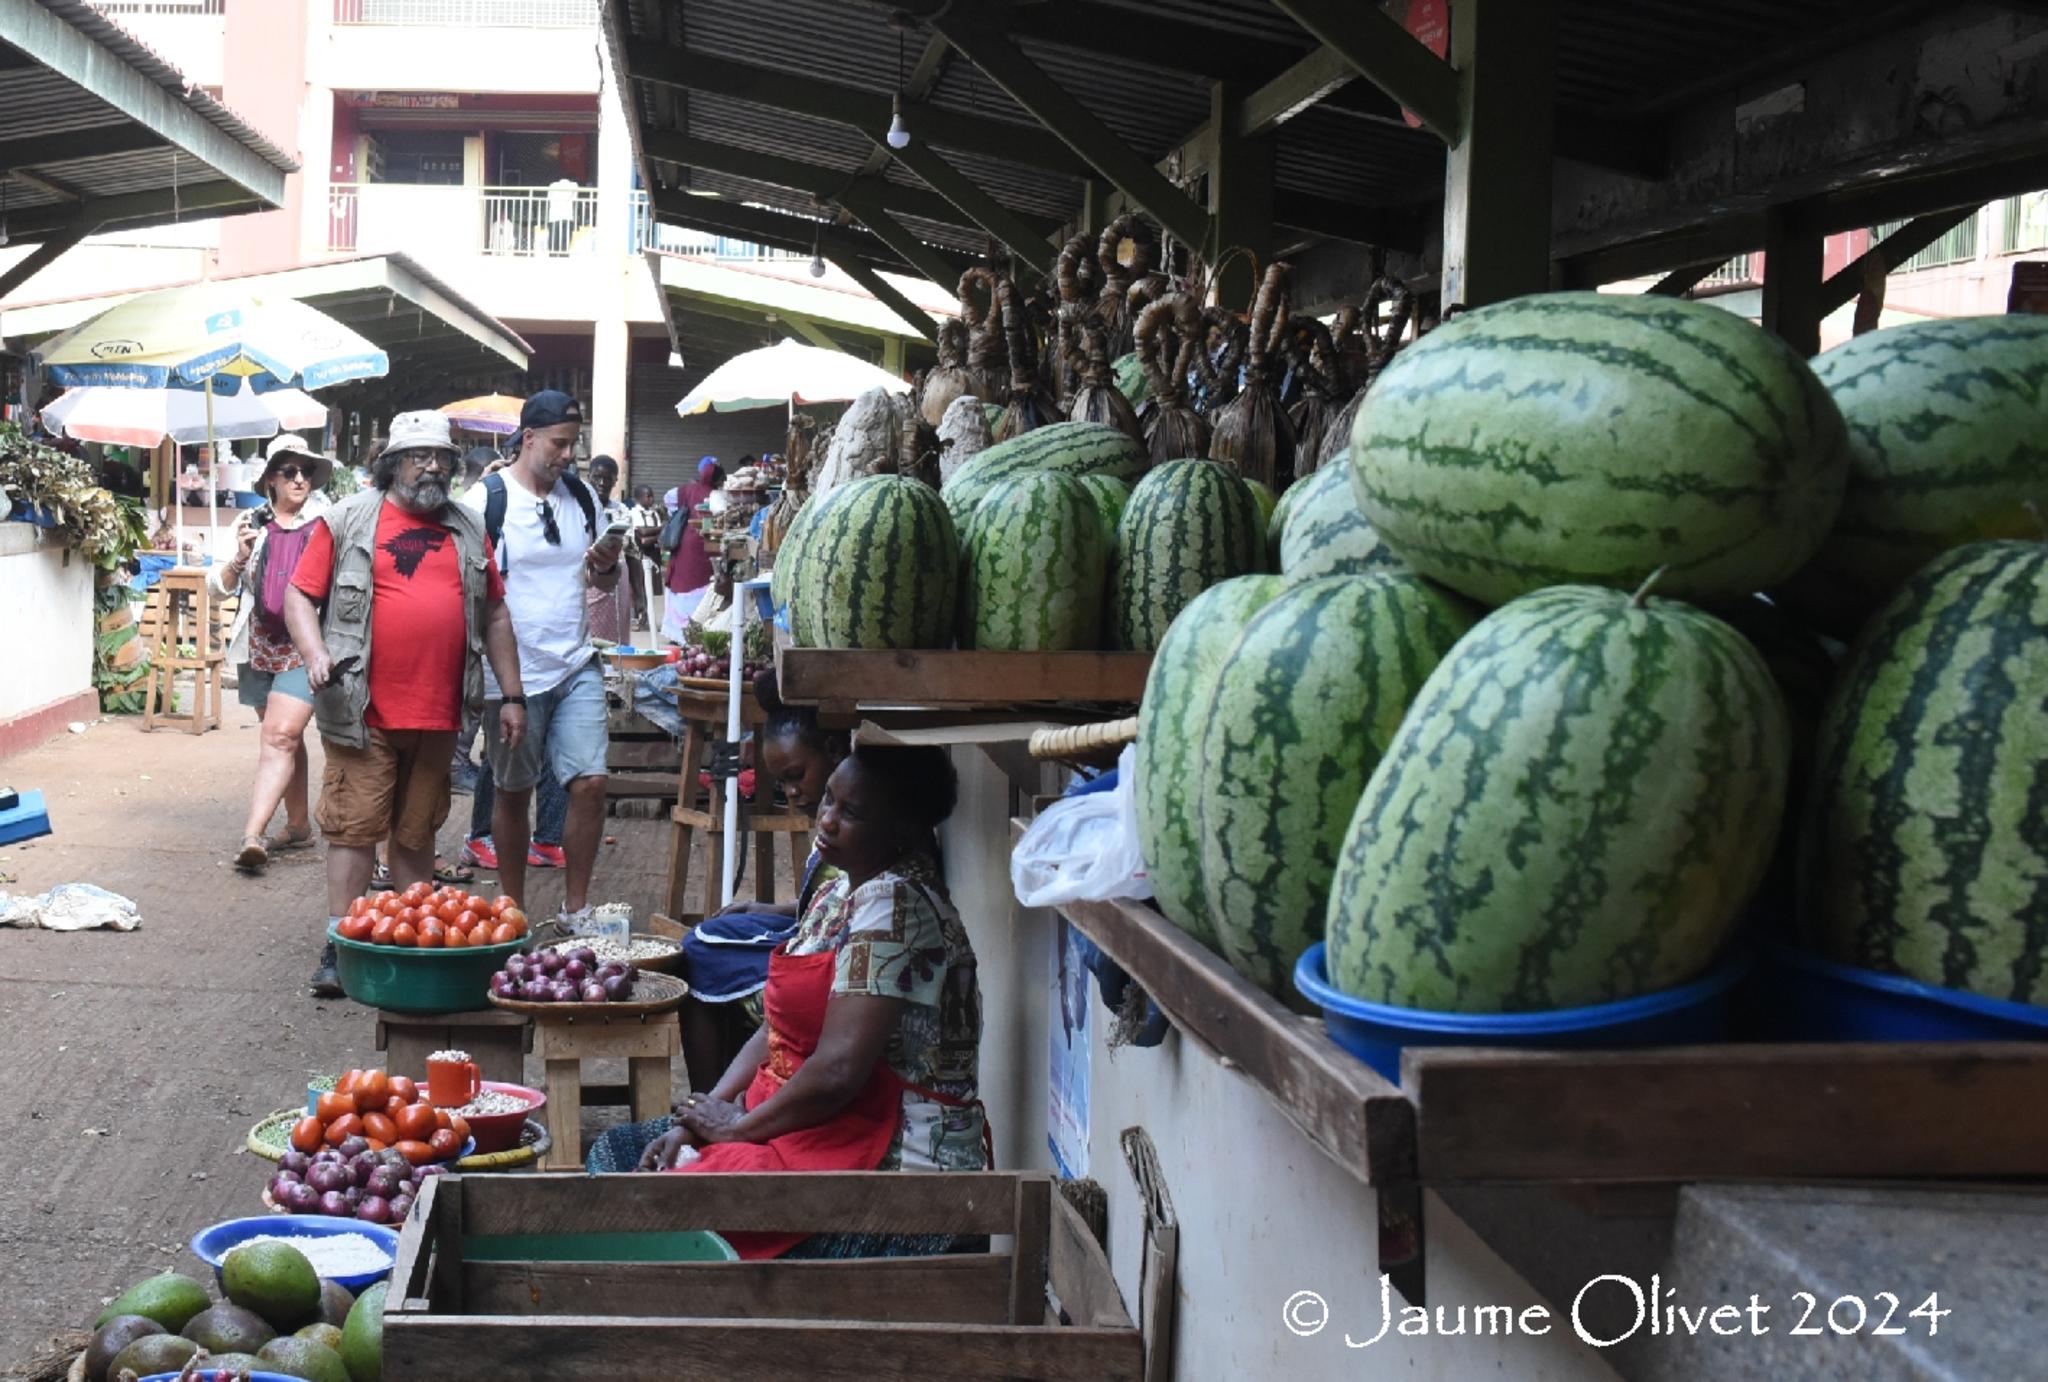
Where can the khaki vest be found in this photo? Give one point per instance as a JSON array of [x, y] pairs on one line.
[[340, 707]]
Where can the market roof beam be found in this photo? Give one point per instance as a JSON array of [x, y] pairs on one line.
[[1841, 287], [886, 292], [1313, 79], [1386, 227], [1388, 56], [1679, 282], [63, 192], [41, 257], [1134, 176], [775, 229], [846, 105], [68, 146], [1183, 44], [198, 201], [865, 202], [1026, 242], [72, 54]]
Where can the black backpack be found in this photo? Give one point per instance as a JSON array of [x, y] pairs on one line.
[[495, 499]]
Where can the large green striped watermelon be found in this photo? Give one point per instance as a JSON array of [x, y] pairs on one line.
[[1925, 851], [878, 568], [1948, 444], [1326, 535], [1577, 809], [1169, 754], [789, 556], [1303, 708], [1110, 495], [1189, 525], [1595, 438], [1032, 564], [1130, 379], [1070, 448], [1276, 523]]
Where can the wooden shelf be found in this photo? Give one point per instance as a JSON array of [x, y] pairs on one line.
[[867, 676]]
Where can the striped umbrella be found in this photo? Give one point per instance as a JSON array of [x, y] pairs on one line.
[[495, 413], [144, 417]]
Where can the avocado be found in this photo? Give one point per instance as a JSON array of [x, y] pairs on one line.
[[323, 1333], [233, 1362], [228, 1328], [303, 1358], [167, 1298], [113, 1336], [157, 1353], [362, 1338], [273, 1279], [335, 1302]]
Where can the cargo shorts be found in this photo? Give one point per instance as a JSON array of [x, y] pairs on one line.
[[398, 788], [568, 724]]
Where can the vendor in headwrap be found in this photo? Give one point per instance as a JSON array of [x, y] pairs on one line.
[[689, 568]]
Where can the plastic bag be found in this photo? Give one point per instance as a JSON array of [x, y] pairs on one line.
[[1084, 848], [71, 907]]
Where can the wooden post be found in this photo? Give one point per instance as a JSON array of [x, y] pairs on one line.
[[1792, 281], [1240, 197], [1498, 185]]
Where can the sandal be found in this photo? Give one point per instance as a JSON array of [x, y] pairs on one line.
[[253, 856], [380, 879], [289, 840], [453, 873]]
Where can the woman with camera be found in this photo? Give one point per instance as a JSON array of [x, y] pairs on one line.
[[270, 677]]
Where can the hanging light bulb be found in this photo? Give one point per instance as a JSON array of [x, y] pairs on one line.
[[3, 210], [899, 133], [817, 259]]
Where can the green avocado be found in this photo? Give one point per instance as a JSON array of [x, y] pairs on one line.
[[167, 1298], [273, 1279], [228, 1328], [157, 1353], [362, 1338], [113, 1336], [303, 1358]]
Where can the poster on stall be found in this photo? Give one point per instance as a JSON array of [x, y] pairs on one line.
[[1067, 1123]]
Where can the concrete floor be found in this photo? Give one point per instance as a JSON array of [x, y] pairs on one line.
[[136, 1063]]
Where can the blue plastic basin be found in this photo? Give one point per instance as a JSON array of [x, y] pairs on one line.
[[208, 1372], [1377, 1032], [1802, 997], [212, 1245]]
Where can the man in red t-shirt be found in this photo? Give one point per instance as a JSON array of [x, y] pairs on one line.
[[389, 716]]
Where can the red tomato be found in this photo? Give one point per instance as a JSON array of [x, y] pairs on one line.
[[503, 932], [377, 1144], [390, 906], [332, 1106], [499, 905], [380, 934], [444, 1143], [372, 1089], [306, 1135], [460, 1125], [347, 1083], [342, 1129], [474, 902], [359, 906], [418, 1153], [378, 1127], [405, 933], [466, 920], [404, 1089], [433, 935], [393, 1104], [356, 927], [441, 1117], [416, 1122], [417, 893]]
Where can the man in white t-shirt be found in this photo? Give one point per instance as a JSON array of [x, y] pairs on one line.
[[545, 527]]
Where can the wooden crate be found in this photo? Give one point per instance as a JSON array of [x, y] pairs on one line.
[[1045, 1308], [868, 676]]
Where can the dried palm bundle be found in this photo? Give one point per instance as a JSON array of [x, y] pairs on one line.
[[1170, 334], [1378, 344], [1314, 362], [1120, 269], [800, 461], [865, 442], [1031, 404], [988, 363], [1078, 280], [1097, 398], [917, 441], [963, 435], [948, 379], [1219, 360], [1252, 431]]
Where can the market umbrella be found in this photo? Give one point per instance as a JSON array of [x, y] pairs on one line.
[[495, 413], [786, 374], [190, 336], [144, 417]]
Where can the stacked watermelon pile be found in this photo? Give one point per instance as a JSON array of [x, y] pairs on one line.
[[1513, 729]]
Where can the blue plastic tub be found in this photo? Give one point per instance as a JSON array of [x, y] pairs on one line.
[[1377, 1032], [212, 1245], [208, 1372], [1800, 997]]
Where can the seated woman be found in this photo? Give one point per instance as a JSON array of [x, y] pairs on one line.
[[725, 957], [869, 1056]]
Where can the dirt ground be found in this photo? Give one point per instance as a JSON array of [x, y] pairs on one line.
[[135, 1064]]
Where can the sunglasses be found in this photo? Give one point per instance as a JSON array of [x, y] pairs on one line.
[[293, 471], [427, 457], [548, 528]]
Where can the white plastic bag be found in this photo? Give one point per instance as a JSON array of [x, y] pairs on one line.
[[1084, 848], [71, 907]]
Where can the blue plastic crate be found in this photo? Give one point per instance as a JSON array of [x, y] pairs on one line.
[[25, 820]]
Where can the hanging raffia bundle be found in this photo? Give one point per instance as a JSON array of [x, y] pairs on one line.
[[1314, 362], [1170, 335], [963, 435], [1252, 431], [800, 460], [948, 379], [1377, 344], [1078, 280], [1120, 269], [1097, 398], [1031, 403], [988, 364]]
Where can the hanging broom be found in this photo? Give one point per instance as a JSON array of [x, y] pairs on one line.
[[1097, 398], [1380, 344], [1031, 403], [1314, 362], [1170, 335], [1079, 281], [1252, 431], [949, 378], [1120, 268], [987, 362]]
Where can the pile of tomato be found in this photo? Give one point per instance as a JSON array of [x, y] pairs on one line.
[[385, 1111], [431, 918]]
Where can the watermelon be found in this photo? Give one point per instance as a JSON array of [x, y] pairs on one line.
[[1595, 438], [790, 554], [1276, 523], [1948, 444], [1925, 850], [1032, 564], [1577, 809], [1326, 535], [1268, 501], [1111, 495], [1070, 448], [1169, 753], [1302, 709], [1189, 525], [877, 568], [1130, 379]]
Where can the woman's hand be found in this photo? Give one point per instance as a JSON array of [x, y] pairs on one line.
[[712, 1120], [662, 1152], [245, 539]]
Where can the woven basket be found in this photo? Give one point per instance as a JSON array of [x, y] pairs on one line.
[[1096, 745]]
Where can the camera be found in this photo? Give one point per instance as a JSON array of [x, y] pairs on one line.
[[261, 516]]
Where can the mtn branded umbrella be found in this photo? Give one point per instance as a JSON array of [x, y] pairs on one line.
[[784, 375]]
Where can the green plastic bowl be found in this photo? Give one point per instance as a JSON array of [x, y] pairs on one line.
[[404, 979]]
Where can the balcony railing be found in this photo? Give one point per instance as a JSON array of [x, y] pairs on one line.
[[505, 222], [471, 14], [1736, 271], [1957, 247], [161, 6], [2026, 223]]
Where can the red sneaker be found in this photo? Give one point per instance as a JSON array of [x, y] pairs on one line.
[[540, 856], [480, 852]]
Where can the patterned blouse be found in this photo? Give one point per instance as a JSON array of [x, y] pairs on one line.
[[897, 936]]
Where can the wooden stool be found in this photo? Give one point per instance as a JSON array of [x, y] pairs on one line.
[[495, 1039], [645, 1042], [703, 726], [181, 610]]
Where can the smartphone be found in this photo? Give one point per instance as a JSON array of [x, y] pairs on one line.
[[616, 530]]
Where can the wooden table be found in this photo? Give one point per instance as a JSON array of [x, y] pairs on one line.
[[495, 1039], [646, 1042], [704, 721]]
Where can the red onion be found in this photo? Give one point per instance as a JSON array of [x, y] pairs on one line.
[[335, 1204], [374, 1209]]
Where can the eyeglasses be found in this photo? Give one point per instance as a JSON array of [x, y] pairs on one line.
[[548, 529], [289, 471], [427, 457]]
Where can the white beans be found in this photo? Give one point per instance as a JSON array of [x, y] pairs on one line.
[[490, 1102], [638, 948], [337, 1254]]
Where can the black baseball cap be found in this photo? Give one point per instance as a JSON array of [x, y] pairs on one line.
[[549, 408]]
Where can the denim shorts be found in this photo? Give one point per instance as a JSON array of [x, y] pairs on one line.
[[569, 723], [253, 688]]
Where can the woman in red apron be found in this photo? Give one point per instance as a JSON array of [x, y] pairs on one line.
[[868, 1056]]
